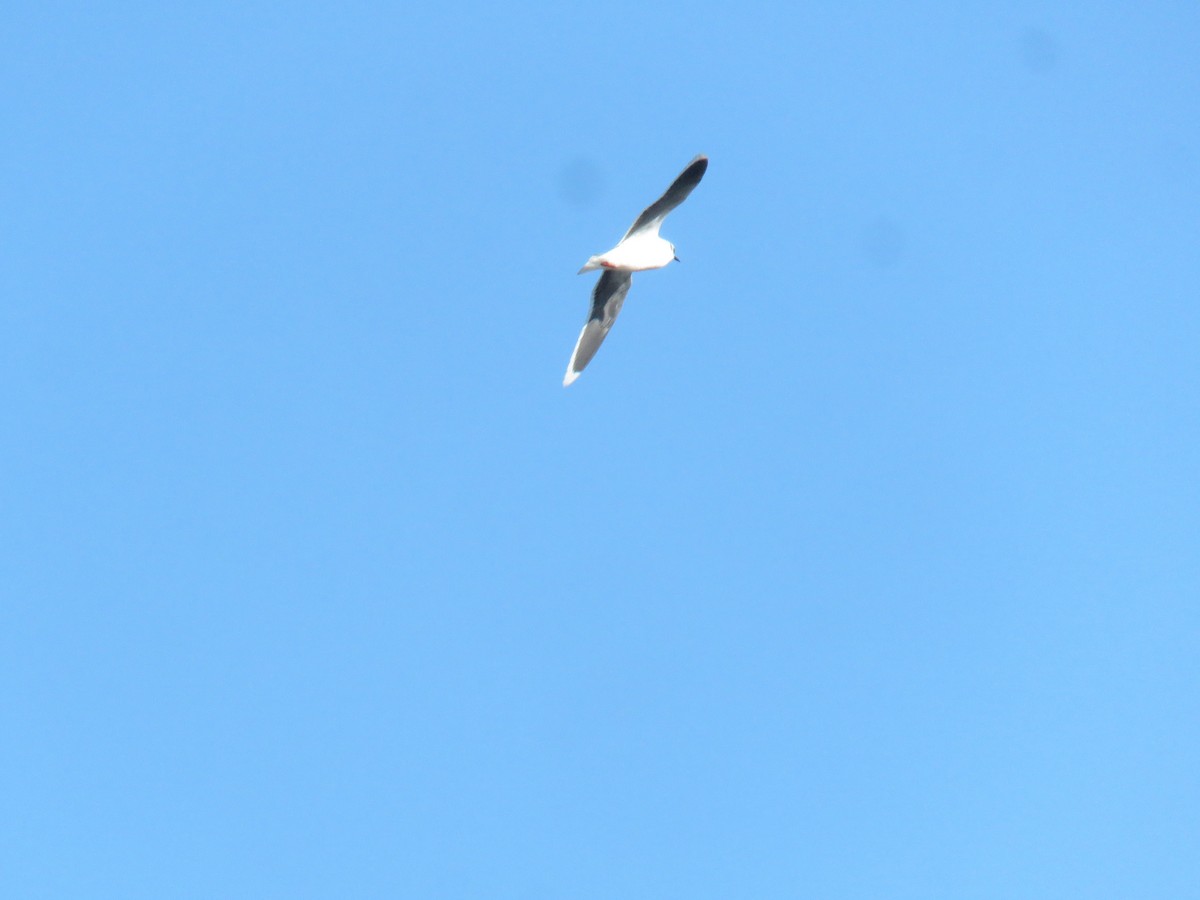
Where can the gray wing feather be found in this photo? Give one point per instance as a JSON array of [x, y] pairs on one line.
[[676, 194], [607, 298]]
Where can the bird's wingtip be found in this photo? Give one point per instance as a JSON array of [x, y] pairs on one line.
[[569, 378]]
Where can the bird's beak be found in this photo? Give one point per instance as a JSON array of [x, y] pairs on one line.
[[677, 259]]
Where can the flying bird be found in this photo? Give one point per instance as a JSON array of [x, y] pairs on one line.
[[639, 250]]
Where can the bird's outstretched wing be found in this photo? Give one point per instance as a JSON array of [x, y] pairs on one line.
[[653, 214], [607, 298]]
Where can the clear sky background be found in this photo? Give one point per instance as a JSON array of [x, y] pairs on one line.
[[863, 561]]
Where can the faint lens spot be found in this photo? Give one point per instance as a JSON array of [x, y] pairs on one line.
[[883, 243], [580, 182], [1039, 51]]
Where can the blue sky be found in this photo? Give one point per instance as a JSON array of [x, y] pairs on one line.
[[861, 562]]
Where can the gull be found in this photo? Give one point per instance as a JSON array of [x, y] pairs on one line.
[[641, 249]]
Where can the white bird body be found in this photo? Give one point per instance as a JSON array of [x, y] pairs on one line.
[[641, 249], [639, 252]]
